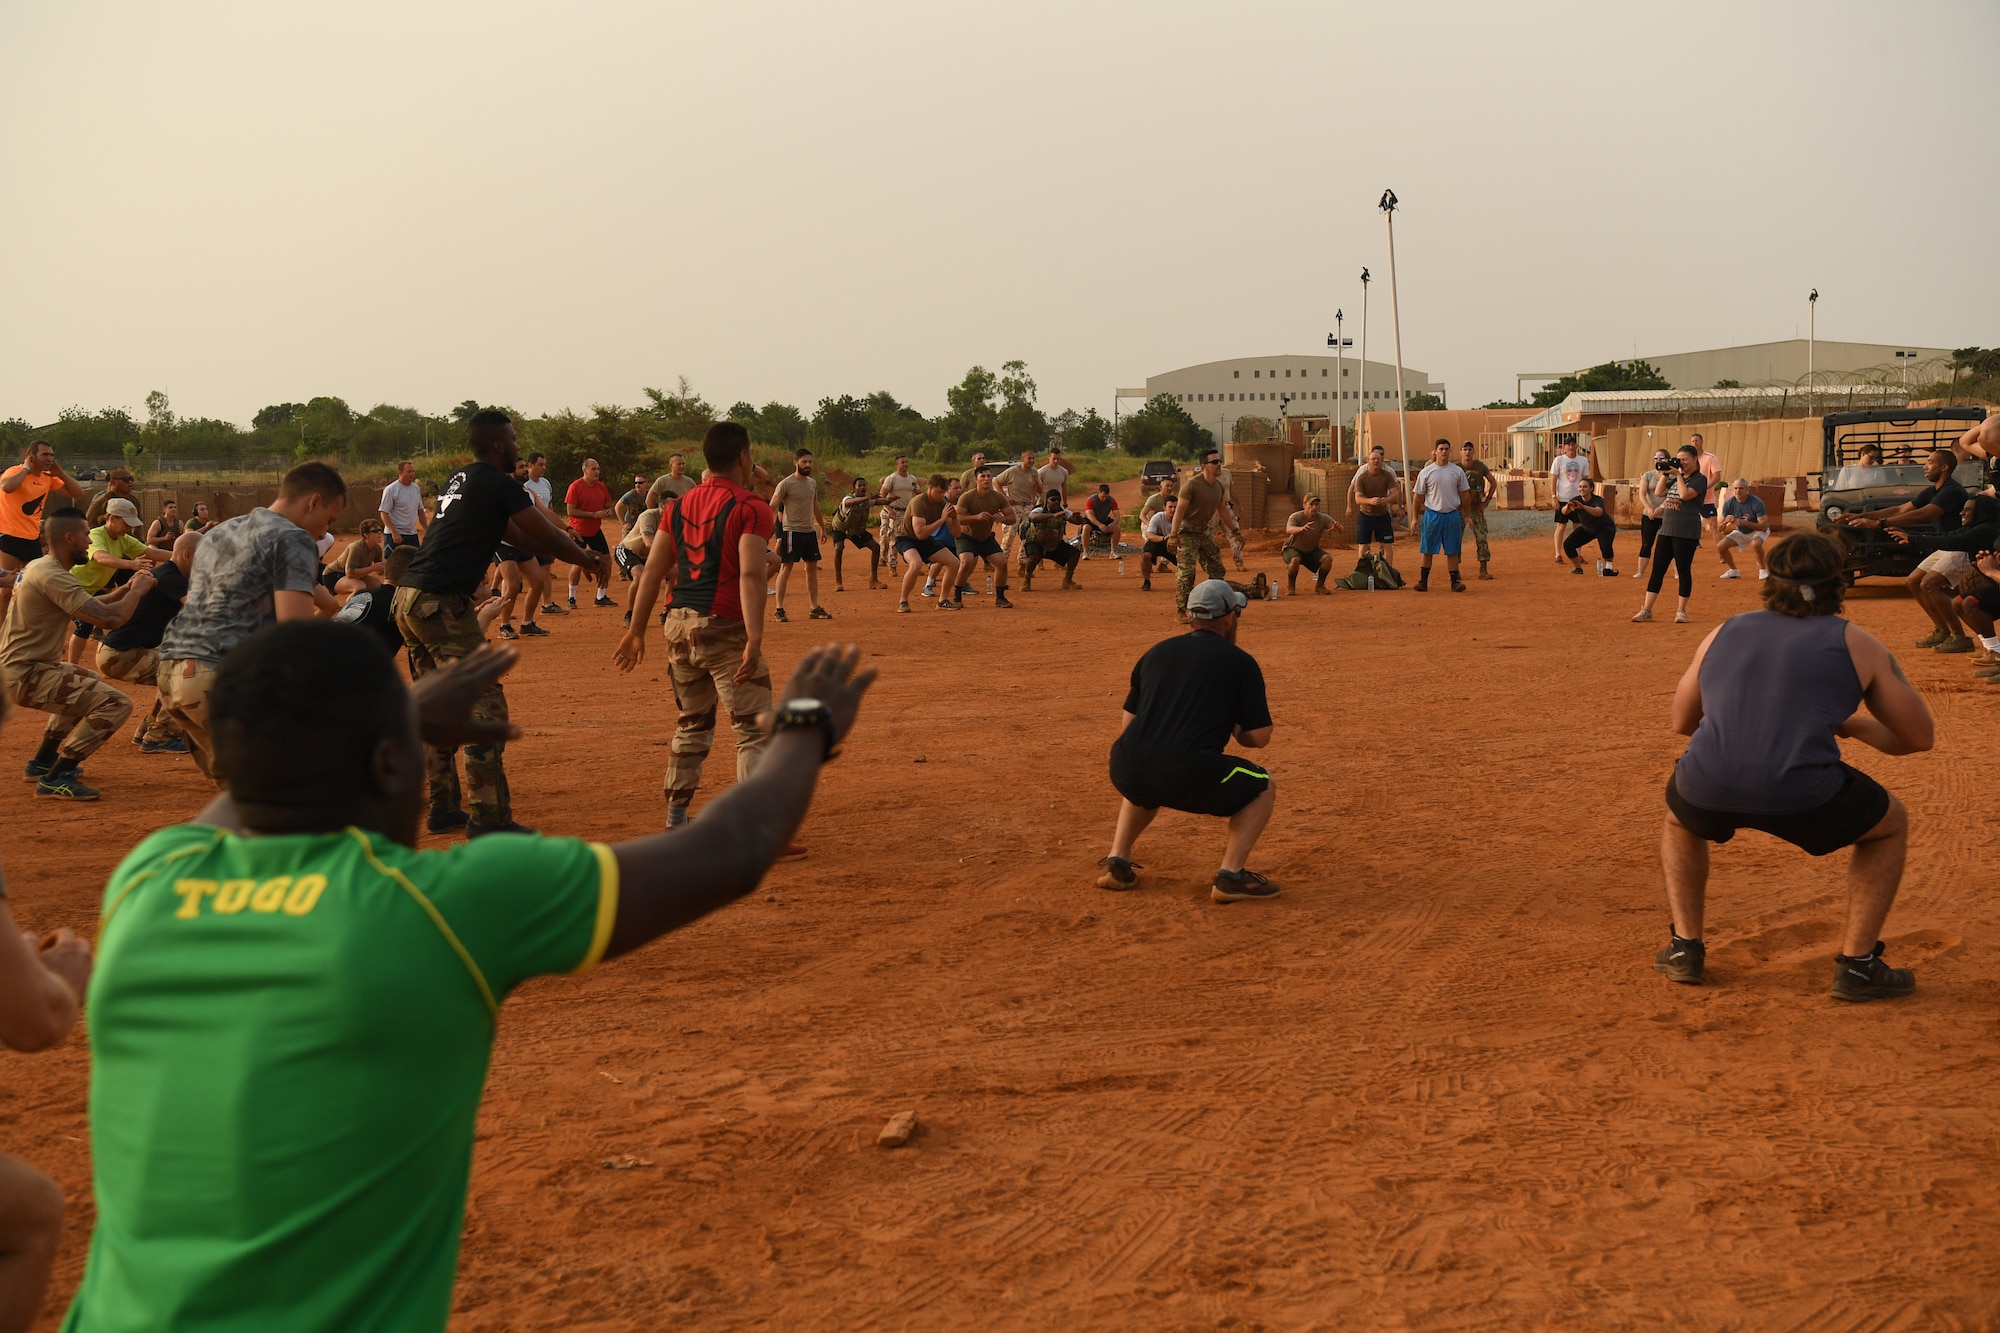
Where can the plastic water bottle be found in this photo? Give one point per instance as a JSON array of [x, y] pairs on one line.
[[1371, 580], [1121, 566], [989, 585]]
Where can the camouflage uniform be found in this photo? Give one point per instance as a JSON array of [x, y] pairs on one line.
[[703, 653], [1479, 535], [138, 664], [83, 711], [1196, 545], [439, 628], [184, 686]]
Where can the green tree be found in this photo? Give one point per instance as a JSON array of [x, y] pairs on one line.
[[781, 424], [897, 427], [1611, 377], [14, 436], [278, 414], [842, 425], [1729, 384], [1163, 429], [465, 411], [1426, 402], [83, 438], [970, 415], [1080, 433], [1501, 403], [157, 436], [680, 415]]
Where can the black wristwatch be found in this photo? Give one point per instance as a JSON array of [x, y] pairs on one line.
[[796, 713]]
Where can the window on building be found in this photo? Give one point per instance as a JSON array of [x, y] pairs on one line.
[[1236, 374], [1288, 374], [1322, 374], [1345, 372]]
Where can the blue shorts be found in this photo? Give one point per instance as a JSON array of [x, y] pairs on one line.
[[1442, 533]]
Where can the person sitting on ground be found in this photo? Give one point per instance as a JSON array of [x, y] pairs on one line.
[[167, 528], [1305, 535], [131, 652], [1100, 522], [83, 711], [362, 565], [1189, 696], [42, 982], [1157, 550], [1042, 538], [1745, 521], [291, 956], [1765, 702], [1594, 522], [1930, 583]]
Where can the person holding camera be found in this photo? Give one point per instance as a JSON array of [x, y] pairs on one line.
[[1682, 492], [1764, 704], [1591, 513]]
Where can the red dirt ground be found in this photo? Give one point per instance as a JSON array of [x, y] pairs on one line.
[[1435, 1085]]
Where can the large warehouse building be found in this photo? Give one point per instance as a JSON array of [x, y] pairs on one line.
[[1756, 365], [1272, 386]]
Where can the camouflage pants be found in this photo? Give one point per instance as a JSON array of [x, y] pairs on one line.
[[1197, 547], [1479, 535], [138, 665], [83, 711], [184, 692], [703, 653], [440, 628]]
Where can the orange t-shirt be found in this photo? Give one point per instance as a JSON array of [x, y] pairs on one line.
[[21, 510]]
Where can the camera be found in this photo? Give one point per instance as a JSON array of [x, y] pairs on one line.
[[1666, 465]]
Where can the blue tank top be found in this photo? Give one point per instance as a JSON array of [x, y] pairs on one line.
[[1773, 688]]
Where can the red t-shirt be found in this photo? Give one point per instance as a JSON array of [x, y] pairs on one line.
[[587, 495], [705, 566]]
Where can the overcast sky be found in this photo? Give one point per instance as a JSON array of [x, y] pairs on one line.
[[556, 204]]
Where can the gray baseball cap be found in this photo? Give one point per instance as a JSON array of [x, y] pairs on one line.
[[1212, 599], [119, 507]]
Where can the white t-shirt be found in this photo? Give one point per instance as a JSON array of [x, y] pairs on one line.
[[541, 489], [1442, 486], [1567, 475], [1159, 525], [402, 504], [1053, 477]]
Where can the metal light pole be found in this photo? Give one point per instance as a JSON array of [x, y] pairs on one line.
[[1361, 388], [1388, 207], [1340, 387], [1812, 330]]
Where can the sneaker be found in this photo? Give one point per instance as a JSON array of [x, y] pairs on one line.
[[1680, 617], [1576, 569], [602, 600], [1869, 978], [1933, 639], [1609, 572], [1145, 585], [1118, 874], [930, 590], [572, 603], [530, 630], [553, 610], [778, 614], [37, 770], [1763, 574], [946, 604], [447, 821], [475, 829], [819, 613], [509, 632], [1681, 960], [1643, 617], [67, 785], [171, 745], [1732, 573], [1000, 602], [1234, 886], [1957, 643], [628, 616], [903, 607]]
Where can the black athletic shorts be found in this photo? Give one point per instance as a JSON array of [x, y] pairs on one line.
[[1062, 553], [1204, 782], [1375, 528], [979, 546], [796, 546], [1158, 550], [926, 551], [1856, 808], [859, 543], [628, 564], [1987, 599], [330, 579], [23, 549], [594, 542], [1312, 559], [503, 554]]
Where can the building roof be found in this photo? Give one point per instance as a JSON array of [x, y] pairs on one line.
[[1623, 401]]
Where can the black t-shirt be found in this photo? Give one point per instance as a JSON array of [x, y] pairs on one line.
[[374, 609], [1189, 692], [472, 513], [1593, 523], [161, 604], [1949, 498]]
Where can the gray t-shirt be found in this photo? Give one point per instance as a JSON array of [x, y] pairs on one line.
[[240, 564], [402, 504]]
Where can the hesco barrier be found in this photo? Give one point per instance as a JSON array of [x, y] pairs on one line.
[[1274, 456]]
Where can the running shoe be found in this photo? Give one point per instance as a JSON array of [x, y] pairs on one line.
[[1578, 569], [1680, 617], [475, 829], [946, 604], [1933, 639], [1732, 573], [1235, 886], [1869, 978], [509, 632], [1957, 643], [171, 745], [1145, 585], [778, 614], [1763, 574], [904, 607], [572, 603], [533, 631], [930, 590], [603, 601], [37, 770], [1118, 874], [553, 610], [1681, 960], [1000, 602], [1643, 616], [67, 786], [447, 821], [819, 613], [1610, 572]]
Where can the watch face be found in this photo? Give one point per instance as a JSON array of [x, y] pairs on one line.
[[803, 705]]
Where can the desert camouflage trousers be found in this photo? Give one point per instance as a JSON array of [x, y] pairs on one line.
[[1479, 536], [142, 665], [184, 693], [703, 653], [1197, 547], [440, 628], [83, 711]]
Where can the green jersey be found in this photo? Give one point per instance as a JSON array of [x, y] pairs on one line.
[[289, 1036]]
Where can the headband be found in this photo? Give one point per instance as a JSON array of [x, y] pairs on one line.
[[1807, 590]]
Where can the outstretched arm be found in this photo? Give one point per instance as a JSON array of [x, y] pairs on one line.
[[41, 985], [670, 879]]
